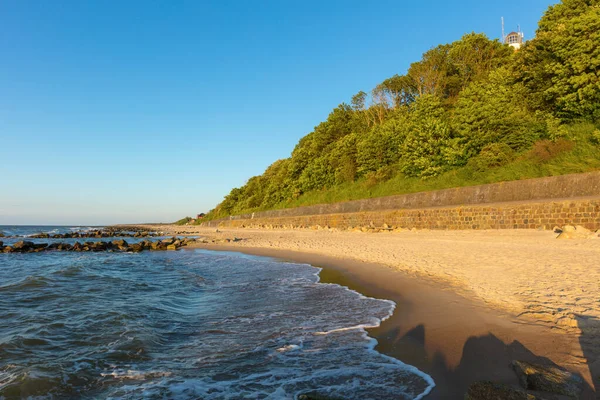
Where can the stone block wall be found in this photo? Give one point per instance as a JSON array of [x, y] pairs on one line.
[[526, 204], [534, 215], [552, 187]]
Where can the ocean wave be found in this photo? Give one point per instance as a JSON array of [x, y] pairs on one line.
[[194, 325], [85, 229], [30, 282]]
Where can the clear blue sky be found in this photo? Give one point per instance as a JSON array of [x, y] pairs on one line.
[[138, 111]]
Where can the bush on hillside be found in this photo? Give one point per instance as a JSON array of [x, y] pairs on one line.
[[546, 150], [492, 155]]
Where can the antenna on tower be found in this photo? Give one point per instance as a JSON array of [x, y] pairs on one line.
[[521, 33], [503, 36]]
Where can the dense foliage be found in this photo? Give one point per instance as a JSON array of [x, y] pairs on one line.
[[183, 221], [465, 109]]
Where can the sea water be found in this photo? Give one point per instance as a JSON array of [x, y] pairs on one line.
[[190, 324]]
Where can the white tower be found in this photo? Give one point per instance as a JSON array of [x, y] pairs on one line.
[[513, 39]]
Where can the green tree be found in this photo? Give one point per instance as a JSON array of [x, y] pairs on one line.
[[382, 145], [474, 56], [429, 76], [560, 67], [399, 90], [492, 111], [430, 147], [343, 159]]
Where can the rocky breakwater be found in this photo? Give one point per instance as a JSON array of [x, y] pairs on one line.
[[116, 245], [96, 234]]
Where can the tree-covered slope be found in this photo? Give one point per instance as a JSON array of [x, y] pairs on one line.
[[469, 112]]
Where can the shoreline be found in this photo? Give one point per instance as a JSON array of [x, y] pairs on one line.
[[453, 339], [468, 302]]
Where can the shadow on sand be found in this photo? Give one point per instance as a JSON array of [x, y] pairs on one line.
[[483, 358], [590, 346], [461, 359]]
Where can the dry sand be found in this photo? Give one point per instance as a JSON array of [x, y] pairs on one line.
[[468, 301]]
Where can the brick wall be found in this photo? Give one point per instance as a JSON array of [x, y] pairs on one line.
[[535, 215]]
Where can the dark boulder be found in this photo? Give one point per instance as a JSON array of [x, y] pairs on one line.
[[168, 241], [37, 247], [59, 246], [99, 246], [496, 391], [548, 379], [137, 247], [157, 246], [120, 243], [310, 396], [65, 247], [23, 246]]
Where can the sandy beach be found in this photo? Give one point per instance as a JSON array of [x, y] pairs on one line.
[[469, 302]]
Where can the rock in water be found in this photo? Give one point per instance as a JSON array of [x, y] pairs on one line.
[[99, 246], [548, 379], [120, 243], [136, 247], [496, 391], [22, 246], [316, 397], [167, 241]]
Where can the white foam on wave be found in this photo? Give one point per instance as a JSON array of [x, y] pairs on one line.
[[289, 347], [340, 361], [372, 341], [136, 375], [85, 229]]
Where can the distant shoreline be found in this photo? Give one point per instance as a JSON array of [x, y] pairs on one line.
[[452, 331]]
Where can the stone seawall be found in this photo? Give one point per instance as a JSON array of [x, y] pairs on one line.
[[524, 204], [515, 215], [552, 187]]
